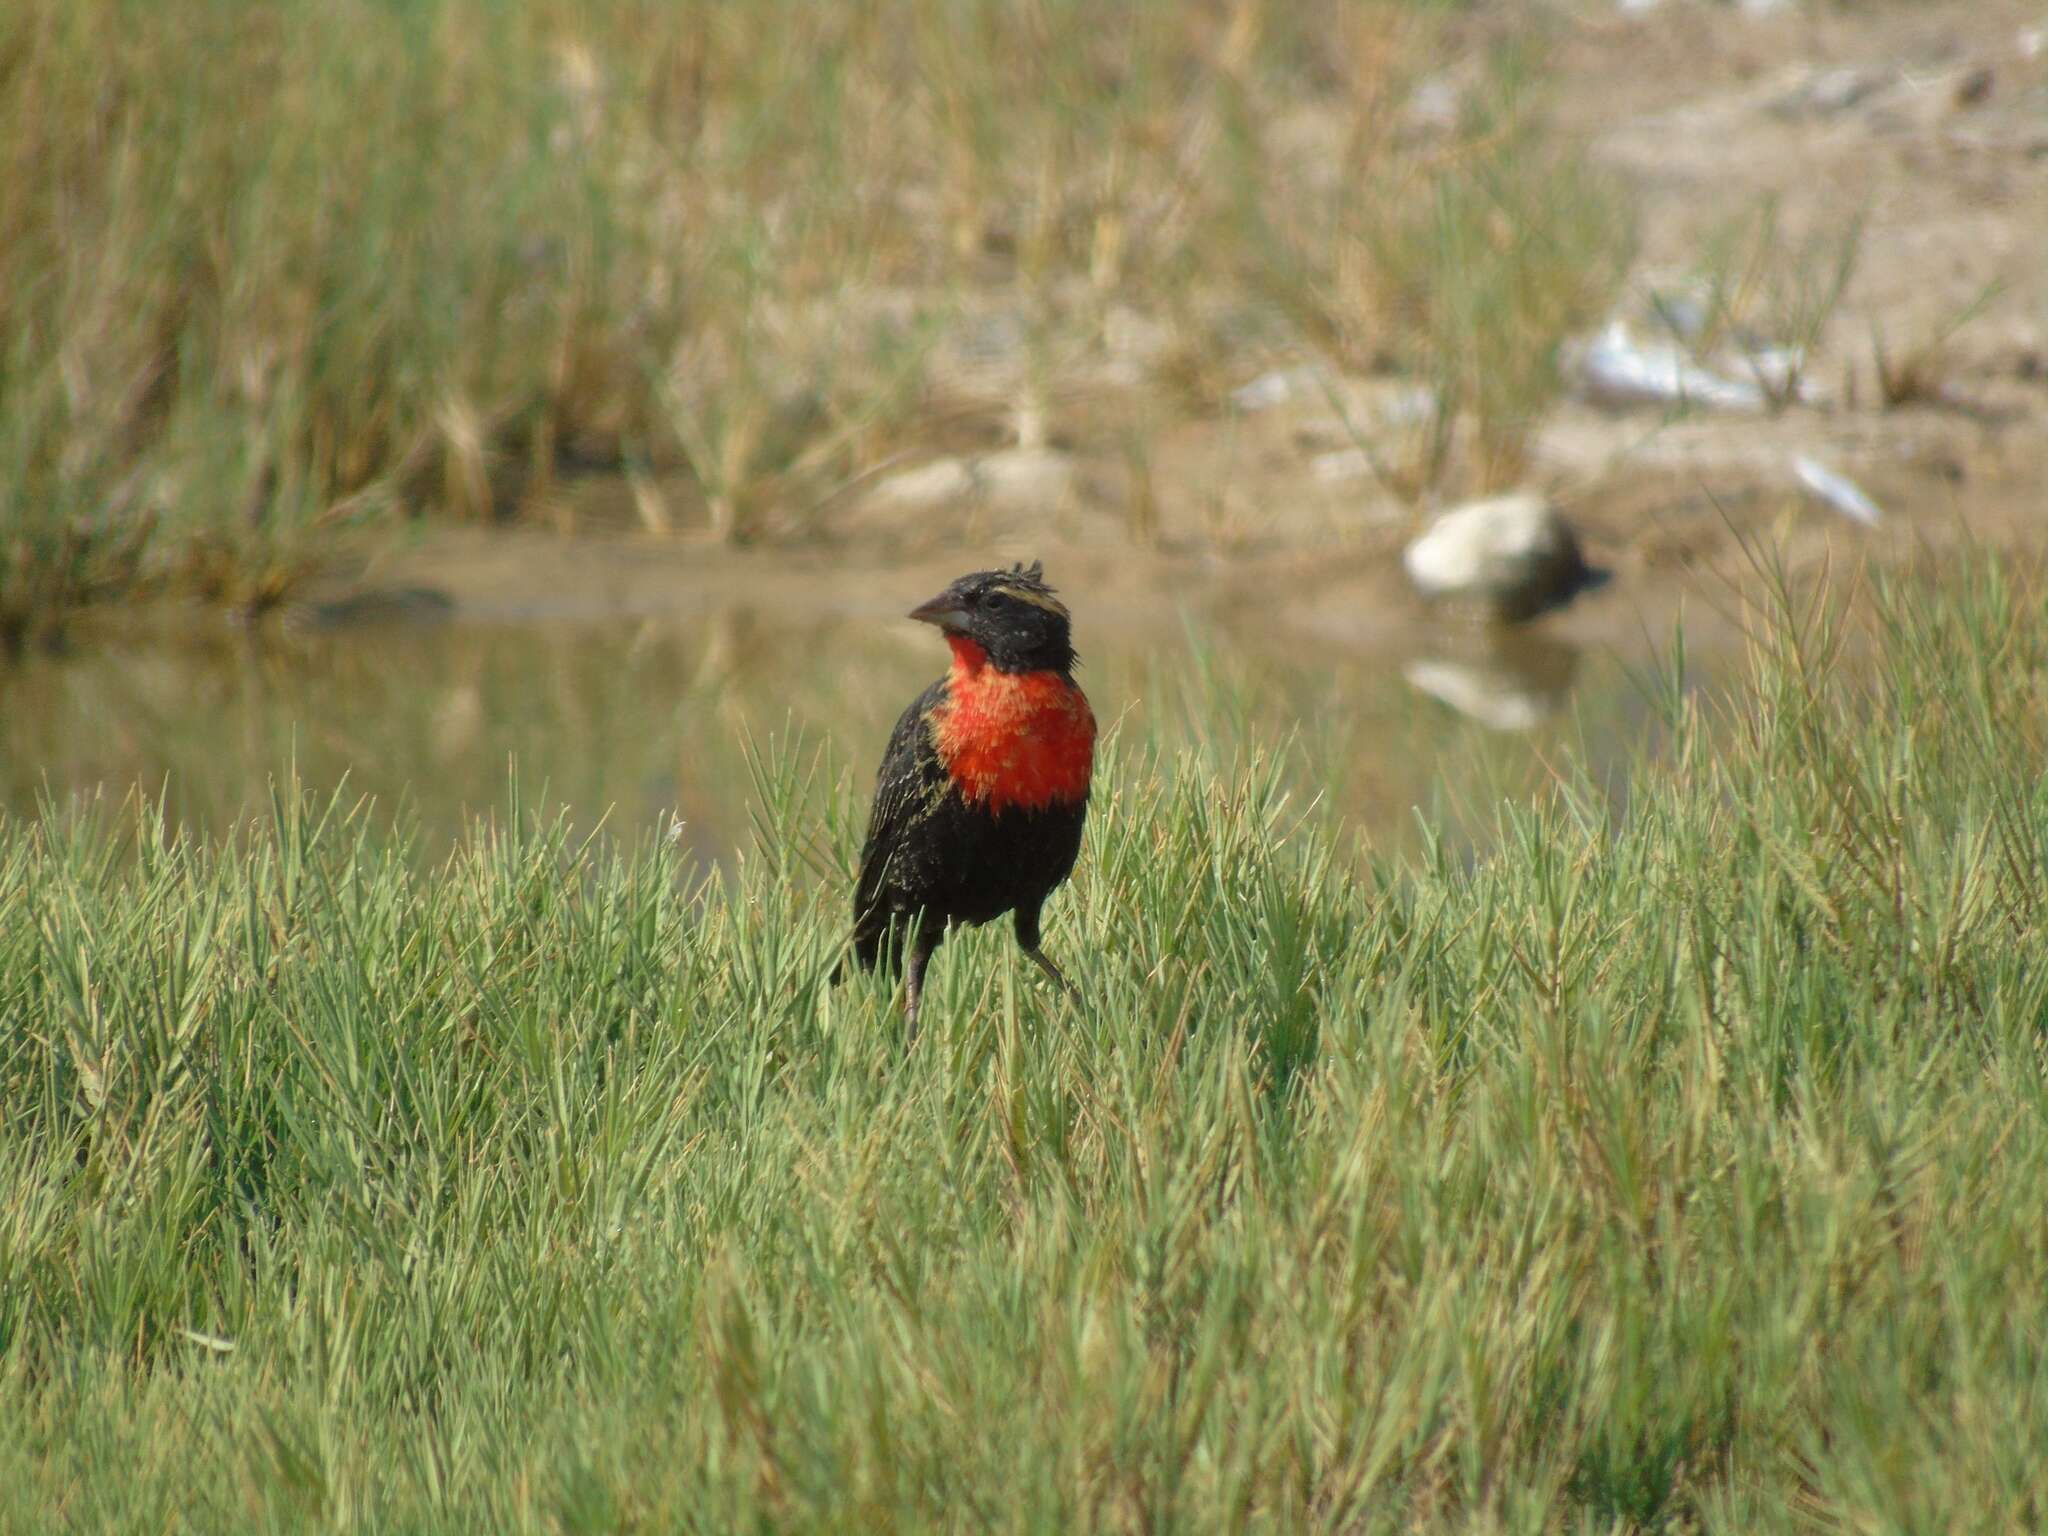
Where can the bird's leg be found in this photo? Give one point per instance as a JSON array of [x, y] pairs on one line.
[[1027, 940], [1039, 958], [921, 946]]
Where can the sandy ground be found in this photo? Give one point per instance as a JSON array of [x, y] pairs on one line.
[[1925, 126]]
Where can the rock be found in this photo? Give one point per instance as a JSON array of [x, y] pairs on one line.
[[1747, 7], [1515, 554], [1837, 491], [1278, 388], [1828, 92], [1683, 312], [1026, 478], [1614, 370], [1435, 106], [928, 485], [1341, 464], [1134, 340], [1407, 405], [1010, 477], [1780, 372]]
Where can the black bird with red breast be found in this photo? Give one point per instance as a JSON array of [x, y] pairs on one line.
[[983, 787]]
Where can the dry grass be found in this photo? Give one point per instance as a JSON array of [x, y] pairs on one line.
[[267, 276]]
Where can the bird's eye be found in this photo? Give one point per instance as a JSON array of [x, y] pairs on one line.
[[996, 602]]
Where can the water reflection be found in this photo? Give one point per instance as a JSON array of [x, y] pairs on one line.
[[1507, 680], [637, 722]]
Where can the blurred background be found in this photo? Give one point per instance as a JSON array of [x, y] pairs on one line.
[[415, 393]]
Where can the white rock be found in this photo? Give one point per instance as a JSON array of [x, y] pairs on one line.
[[1514, 552], [1026, 477], [1435, 105], [1277, 388], [1613, 369], [1008, 478], [928, 485], [1781, 373], [1133, 337], [1340, 464], [1684, 314], [1748, 7], [1407, 405], [1838, 491], [1827, 92]]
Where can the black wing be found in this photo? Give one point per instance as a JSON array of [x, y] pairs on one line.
[[908, 780]]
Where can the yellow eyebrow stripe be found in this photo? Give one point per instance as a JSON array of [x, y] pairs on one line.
[[1043, 600]]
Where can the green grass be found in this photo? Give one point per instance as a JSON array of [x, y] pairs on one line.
[[1668, 1172], [443, 255]]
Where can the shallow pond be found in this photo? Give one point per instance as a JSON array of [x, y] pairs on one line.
[[636, 723]]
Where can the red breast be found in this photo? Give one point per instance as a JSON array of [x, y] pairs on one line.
[[1024, 739]]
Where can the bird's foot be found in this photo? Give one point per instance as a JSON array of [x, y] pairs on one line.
[[1039, 958]]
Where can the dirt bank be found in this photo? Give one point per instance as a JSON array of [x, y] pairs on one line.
[[1874, 180]]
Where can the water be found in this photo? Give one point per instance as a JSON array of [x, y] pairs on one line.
[[636, 723]]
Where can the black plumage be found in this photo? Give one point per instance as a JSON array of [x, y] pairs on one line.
[[936, 854]]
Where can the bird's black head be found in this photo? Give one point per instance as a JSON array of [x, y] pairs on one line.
[[1011, 615]]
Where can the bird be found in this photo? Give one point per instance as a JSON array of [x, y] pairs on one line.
[[983, 788]]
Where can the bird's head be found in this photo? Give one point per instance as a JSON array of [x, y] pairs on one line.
[[1009, 619]]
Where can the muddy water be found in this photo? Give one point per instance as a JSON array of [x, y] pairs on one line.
[[634, 724]]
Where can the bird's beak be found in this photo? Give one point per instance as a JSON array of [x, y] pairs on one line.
[[942, 611]]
